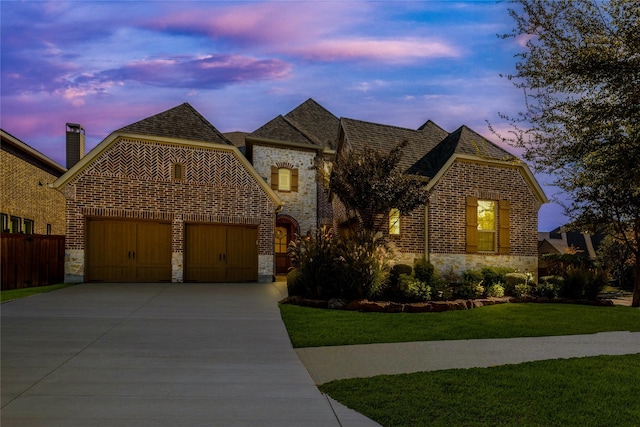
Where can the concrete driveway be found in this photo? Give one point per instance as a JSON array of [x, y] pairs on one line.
[[157, 355]]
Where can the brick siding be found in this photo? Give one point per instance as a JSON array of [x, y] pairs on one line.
[[26, 193]]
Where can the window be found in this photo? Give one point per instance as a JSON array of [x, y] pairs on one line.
[[177, 171], [48, 229], [5, 222], [394, 221], [284, 179], [28, 226], [15, 225], [281, 241], [486, 226]]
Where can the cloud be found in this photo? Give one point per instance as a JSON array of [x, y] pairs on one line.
[[383, 51]]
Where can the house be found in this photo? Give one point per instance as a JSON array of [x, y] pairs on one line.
[[285, 152], [483, 204], [27, 204], [560, 241], [167, 199]]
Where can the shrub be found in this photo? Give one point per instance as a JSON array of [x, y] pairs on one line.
[[512, 280], [583, 283], [414, 288], [522, 290], [424, 270], [469, 290], [364, 265], [295, 284], [440, 288], [495, 290], [559, 264], [398, 270], [314, 256], [549, 286], [472, 276], [493, 275]]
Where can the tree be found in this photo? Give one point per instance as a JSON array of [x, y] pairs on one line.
[[580, 73], [370, 183]]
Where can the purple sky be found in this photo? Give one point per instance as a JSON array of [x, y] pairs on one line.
[[108, 64]]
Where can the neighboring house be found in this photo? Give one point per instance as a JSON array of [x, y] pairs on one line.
[[27, 204], [483, 204], [559, 241], [285, 152], [167, 198]]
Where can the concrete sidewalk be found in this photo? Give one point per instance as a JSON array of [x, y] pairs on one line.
[[332, 363], [157, 355]]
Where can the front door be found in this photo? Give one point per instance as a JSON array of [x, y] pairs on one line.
[[282, 238]]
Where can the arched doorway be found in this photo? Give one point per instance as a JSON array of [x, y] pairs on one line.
[[286, 229]]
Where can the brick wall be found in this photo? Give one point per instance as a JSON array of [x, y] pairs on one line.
[[132, 179], [302, 204], [447, 206], [26, 194]]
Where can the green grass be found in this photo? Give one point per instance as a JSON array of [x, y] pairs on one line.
[[594, 391], [26, 292], [311, 327]]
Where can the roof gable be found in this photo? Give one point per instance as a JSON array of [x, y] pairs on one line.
[[308, 123], [182, 122], [462, 141], [281, 129], [22, 150]]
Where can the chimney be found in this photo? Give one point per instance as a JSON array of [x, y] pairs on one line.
[[75, 144]]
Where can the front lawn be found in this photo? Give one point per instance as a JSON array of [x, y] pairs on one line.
[[312, 327], [594, 391], [12, 294]]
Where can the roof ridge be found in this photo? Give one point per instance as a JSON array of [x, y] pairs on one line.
[[204, 120], [380, 124]]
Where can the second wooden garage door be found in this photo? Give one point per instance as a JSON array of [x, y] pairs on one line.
[[221, 253]]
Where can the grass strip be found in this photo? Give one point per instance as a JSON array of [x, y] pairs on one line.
[[312, 327], [12, 294], [592, 391]]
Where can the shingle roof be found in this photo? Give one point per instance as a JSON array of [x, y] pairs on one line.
[[308, 123], [463, 141], [317, 123], [281, 129], [182, 122], [383, 138]]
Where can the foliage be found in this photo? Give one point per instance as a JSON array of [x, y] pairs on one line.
[[549, 286], [589, 391], [364, 265], [618, 260], [583, 283], [495, 290], [493, 275], [558, 264], [512, 280], [522, 290], [397, 270], [579, 73], [369, 183], [315, 258], [424, 270], [414, 288], [440, 288]]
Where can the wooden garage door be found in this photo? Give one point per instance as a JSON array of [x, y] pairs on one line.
[[221, 253], [128, 251]]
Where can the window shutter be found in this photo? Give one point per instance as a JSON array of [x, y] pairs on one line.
[[274, 178], [504, 228], [472, 224], [294, 179]]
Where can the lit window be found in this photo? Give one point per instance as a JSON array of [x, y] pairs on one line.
[[284, 179], [5, 222], [486, 225], [281, 240], [49, 229], [394, 221]]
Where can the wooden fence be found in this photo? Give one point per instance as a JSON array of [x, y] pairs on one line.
[[31, 260]]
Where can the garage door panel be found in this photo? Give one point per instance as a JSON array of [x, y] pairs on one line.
[[220, 253], [128, 251]]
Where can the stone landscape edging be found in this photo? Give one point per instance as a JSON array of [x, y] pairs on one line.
[[365, 305]]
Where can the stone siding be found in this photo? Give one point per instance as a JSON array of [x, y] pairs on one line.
[[26, 194], [459, 263], [132, 179], [302, 205]]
